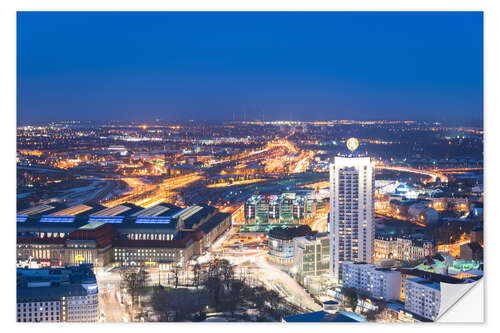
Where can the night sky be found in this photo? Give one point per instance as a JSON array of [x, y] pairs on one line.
[[211, 66]]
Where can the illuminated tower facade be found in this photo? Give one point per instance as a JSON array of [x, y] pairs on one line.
[[352, 226]]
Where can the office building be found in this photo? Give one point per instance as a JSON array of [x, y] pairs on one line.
[[284, 208], [471, 251], [311, 256], [281, 244]]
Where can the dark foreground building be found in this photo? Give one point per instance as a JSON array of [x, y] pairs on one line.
[[57, 295]]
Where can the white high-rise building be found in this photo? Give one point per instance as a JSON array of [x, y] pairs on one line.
[[352, 227]]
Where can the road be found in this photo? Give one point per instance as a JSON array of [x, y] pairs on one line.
[[109, 286], [269, 274], [320, 223], [284, 284], [433, 174], [304, 162], [155, 193]]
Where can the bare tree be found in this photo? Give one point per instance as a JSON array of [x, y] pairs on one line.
[[174, 302], [227, 272], [350, 298], [235, 295], [184, 306], [273, 298], [214, 286], [176, 275], [134, 281], [197, 275], [161, 303], [258, 296]]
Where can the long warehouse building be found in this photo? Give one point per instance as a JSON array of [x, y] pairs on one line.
[[126, 234]]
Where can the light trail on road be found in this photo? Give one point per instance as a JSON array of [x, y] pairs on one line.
[[320, 224], [433, 174], [156, 192]]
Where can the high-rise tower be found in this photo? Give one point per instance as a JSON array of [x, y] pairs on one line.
[[352, 226]]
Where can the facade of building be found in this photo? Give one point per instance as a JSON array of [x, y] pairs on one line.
[[214, 228], [57, 295], [91, 244], [46, 250], [144, 236], [423, 297], [400, 209], [471, 251], [420, 213], [371, 280], [352, 229], [311, 255], [285, 208], [281, 243], [143, 253], [454, 204], [403, 248], [477, 235]]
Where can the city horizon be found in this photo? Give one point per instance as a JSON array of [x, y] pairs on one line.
[[137, 121]]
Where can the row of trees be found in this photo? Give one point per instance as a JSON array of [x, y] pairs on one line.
[[216, 287], [133, 281]]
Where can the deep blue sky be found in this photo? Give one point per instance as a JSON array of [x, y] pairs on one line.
[[303, 66]]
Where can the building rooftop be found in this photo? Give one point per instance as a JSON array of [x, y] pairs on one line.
[[97, 231], [52, 283], [113, 211], [92, 225], [163, 209], [194, 215], [289, 233], [36, 210], [324, 317], [213, 222], [428, 283], [430, 275], [73, 211], [124, 216], [49, 293]]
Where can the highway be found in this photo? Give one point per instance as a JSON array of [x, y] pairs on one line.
[[320, 223], [252, 256], [273, 277], [432, 174], [302, 164], [150, 193]]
